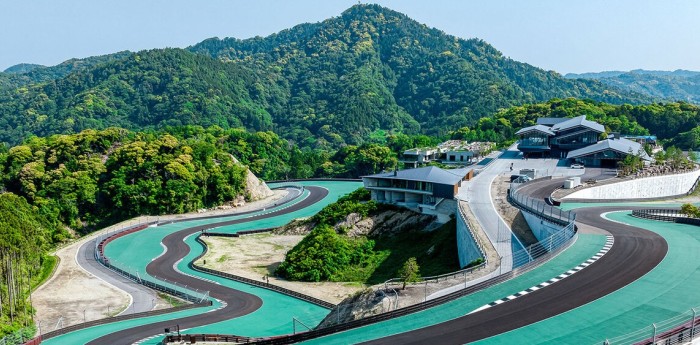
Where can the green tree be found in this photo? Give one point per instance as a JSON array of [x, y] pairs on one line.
[[409, 272]]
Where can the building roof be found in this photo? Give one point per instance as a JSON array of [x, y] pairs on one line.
[[578, 121], [620, 145], [425, 174], [535, 128], [550, 121]]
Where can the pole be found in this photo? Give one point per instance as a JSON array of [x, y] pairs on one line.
[[692, 326], [653, 339], [84, 315]]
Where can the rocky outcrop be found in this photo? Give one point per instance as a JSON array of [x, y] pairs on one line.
[[354, 225], [256, 189], [361, 305]]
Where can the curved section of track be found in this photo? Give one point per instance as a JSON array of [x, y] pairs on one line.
[[636, 252], [236, 303]]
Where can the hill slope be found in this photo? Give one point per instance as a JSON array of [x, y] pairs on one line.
[[679, 85], [322, 84]]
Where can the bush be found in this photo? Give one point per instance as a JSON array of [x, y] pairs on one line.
[[323, 254]]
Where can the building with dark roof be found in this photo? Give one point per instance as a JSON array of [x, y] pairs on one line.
[[556, 137], [606, 153], [421, 189]]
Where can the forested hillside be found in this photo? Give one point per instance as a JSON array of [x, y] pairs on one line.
[[678, 85], [676, 123], [320, 85], [25, 74]]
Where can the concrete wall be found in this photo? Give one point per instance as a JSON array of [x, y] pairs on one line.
[[542, 229], [640, 188], [467, 249]]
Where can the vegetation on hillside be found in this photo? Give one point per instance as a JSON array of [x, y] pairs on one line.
[[24, 238], [327, 254], [676, 123], [319, 85], [678, 85]]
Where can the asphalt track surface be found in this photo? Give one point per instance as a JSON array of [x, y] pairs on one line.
[[237, 303], [635, 252]]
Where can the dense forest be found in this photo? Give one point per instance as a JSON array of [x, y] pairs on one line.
[[676, 124], [319, 85], [679, 85]]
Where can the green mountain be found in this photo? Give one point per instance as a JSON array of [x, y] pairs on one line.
[[323, 84], [25, 74], [679, 85]]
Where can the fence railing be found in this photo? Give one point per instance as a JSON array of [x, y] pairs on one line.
[[539, 207], [260, 283], [528, 259], [666, 215], [170, 288], [679, 329]]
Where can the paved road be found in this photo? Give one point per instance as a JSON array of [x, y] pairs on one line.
[[635, 252], [237, 303], [142, 298]]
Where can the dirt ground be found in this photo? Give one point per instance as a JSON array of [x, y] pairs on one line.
[[76, 295], [254, 256], [510, 214]]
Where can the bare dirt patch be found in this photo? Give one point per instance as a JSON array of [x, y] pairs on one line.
[[71, 290], [255, 256], [510, 214]]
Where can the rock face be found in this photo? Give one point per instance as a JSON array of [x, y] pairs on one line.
[[255, 188], [383, 223], [359, 306]]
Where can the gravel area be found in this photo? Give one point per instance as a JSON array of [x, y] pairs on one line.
[[258, 255]]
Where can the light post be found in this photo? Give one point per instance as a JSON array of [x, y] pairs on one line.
[[84, 315]]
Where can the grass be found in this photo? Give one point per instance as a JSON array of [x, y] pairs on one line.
[[435, 251], [222, 258], [175, 302], [48, 266], [443, 257]]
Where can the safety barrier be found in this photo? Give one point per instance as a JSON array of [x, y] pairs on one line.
[[666, 215], [539, 208], [255, 282], [679, 329], [83, 325]]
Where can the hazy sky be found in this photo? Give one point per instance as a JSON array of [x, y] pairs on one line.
[[565, 36]]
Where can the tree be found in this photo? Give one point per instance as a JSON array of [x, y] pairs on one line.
[[409, 272], [690, 210]]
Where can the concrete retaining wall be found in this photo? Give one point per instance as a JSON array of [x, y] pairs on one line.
[[641, 188], [467, 248], [542, 229]]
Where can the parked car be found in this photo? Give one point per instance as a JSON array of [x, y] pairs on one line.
[[519, 178], [577, 166]]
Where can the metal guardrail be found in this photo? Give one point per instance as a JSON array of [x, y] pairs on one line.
[[535, 255], [539, 208], [262, 284], [679, 329], [666, 215]]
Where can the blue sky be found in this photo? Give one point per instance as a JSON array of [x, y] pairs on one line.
[[565, 36]]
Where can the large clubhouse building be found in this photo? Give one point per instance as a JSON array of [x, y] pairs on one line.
[[576, 139]]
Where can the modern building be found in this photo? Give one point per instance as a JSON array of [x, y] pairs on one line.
[[555, 137], [421, 189], [607, 153], [419, 156], [458, 152]]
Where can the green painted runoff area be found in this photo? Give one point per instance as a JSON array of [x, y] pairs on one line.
[[668, 290], [270, 319], [584, 248]]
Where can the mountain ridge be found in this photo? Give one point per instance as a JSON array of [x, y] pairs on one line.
[[321, 84]]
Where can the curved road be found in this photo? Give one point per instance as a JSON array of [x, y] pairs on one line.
[[236, 303], [635, 252]]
